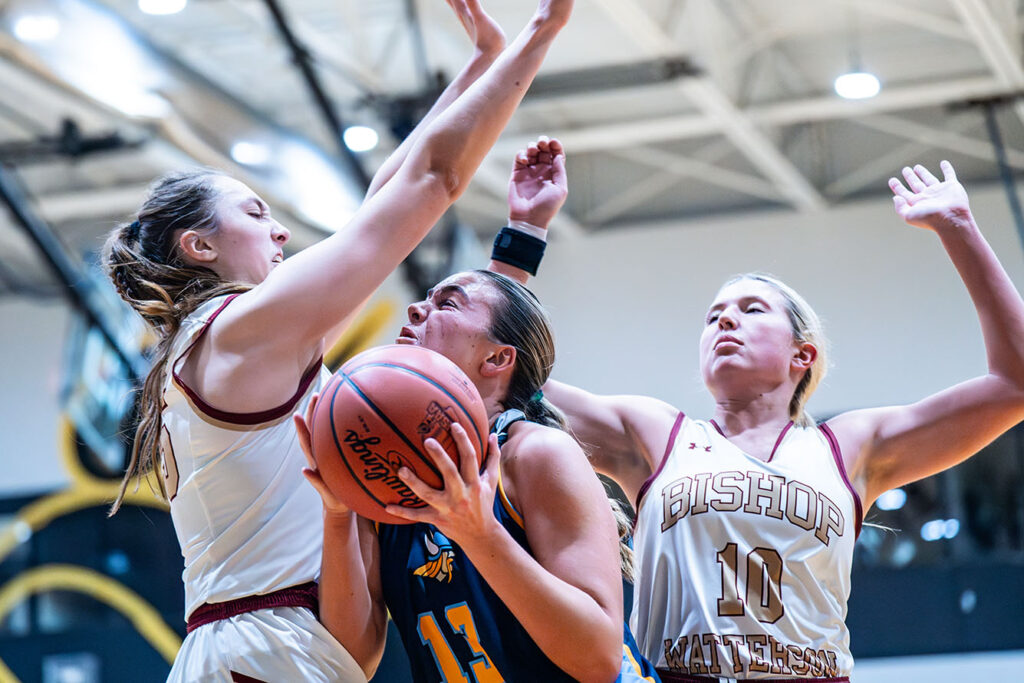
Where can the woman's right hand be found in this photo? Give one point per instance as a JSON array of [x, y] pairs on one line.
[[487, 36], [332, 504]]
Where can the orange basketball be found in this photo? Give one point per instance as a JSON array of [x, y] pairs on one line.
[[373, 416]]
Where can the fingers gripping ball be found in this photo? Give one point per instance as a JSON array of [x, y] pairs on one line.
[[373, 416]]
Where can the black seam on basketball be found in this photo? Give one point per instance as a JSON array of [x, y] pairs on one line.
[[394, 427], [469, 418], [341, 451]]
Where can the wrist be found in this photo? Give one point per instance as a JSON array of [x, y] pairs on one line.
[[338, 519], [530, 227], [518, 249]]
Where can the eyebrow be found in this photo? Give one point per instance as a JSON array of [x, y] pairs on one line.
[[743, 300], [447, 289], [257, 201]]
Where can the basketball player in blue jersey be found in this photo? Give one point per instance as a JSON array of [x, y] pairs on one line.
[[241, 333], [512, 573], [746, 522]]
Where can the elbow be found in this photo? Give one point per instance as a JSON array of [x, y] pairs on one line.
[[602, 669], [603, 663], [444, 181]]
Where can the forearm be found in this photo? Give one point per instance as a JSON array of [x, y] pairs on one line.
[[477, 65], [548, 608], [453, 145], [349, 608], [996, 299]]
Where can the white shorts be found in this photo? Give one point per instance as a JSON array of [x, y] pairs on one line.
[[275, 645]]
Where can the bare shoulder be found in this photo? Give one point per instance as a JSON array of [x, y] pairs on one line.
[[537, 444], [539, 462]]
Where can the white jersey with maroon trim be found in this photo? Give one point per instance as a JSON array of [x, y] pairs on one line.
[[744, 565], [247, 521]]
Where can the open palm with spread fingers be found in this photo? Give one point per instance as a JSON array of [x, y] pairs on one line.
[[929, 202]]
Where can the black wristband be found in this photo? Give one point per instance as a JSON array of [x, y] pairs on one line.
[[518, 249]]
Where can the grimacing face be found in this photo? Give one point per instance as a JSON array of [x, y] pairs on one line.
[[454, 320]]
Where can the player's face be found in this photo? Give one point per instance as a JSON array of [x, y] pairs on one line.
[[748, 343], [248, 242], [454, 320]]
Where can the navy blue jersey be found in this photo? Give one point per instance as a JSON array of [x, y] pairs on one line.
[[454, 628]]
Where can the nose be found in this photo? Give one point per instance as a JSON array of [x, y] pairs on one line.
[[417, 312], [727, 319], [281, 234]]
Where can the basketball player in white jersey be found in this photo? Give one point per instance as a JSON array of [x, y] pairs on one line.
[[241, 340], [746, 522]]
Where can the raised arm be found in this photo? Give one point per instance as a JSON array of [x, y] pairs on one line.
[[488, 42], [300, 300], [889, 447], [624, 436], [573, 614], [351, 595], [536, 191]]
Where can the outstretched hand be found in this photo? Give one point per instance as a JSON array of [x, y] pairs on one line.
[[332, 505], [487, 36], [463, 509], [539, 184], [930, 203]]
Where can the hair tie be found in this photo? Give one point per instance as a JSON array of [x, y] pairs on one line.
[[537, 397], [134, 230]]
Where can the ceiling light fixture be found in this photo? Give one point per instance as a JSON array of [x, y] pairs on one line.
[[857, 85], [36, 28], [160, 7], [360, 138], [250, 153]]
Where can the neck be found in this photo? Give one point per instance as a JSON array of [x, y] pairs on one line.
[[493, 392], [736, 415]]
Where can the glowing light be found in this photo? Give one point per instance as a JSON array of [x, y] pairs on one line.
[[933, 530], [940, 528], [22, 531], [250, 153], [360, 138], [950, 528], [37, 28], [162, 6], [857, 85], [892, 499], [968, 601]]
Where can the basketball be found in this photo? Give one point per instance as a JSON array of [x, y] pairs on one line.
[[373, 416]]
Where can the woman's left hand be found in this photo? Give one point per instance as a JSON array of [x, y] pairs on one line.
[[930, 203], [463, 509]]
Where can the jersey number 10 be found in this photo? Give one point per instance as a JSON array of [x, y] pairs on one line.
[[763, 584]]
